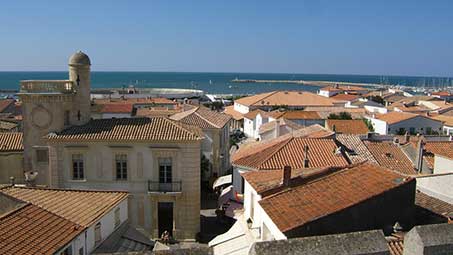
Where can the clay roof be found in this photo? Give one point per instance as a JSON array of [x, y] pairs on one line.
[[155, 112], [11, 142], [433, 204], [129, 129], [355, 149], [33, 230], [202, 117], [395, 117], [6, 125], [396, 247], [442, 148], [270, 126], [289, 98], [79, 206], [389, 155], [116, 108], [355, 127], [441, 93], [345, 97], [156, 100], [299, 115], [289, 151], [446, 119], [353, 185], [5, 103], [233, 113], [252, 114], [343, 87]]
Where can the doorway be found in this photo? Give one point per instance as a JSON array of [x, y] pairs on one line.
[[165, 217]]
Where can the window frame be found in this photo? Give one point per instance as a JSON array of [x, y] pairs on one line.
[[165, 166], [38, 156], [97, 233], [78, 166], [121, 166]]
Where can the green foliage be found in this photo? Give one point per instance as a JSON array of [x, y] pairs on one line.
[[368, 124], [205, 165], [340, 116]]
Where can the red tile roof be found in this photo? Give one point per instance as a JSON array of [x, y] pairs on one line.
[[129, 129], [306, 202], [395, 117], [233, 113], [202, 117], [116, 108], [301, 115], [345, 97], [389, 155], [5, 103], [80, 206], [289, 151], [11, 142], [33, 230], [289, 98], [396, 247], [433, 204], [441, 148], [354, 127]]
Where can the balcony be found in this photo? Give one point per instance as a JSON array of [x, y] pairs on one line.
[[164, 187], [47, 87]]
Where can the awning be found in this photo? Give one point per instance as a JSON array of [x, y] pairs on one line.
[[222, 180]]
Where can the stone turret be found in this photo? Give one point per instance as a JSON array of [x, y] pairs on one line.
[[79, 74]]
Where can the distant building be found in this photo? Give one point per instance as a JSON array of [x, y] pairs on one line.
[[355, 127], [291, 100], [332, 91], [297, 152], [216, 129], [402, 122]]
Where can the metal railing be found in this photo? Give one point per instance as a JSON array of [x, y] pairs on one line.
[[154, 186], [52, 86]]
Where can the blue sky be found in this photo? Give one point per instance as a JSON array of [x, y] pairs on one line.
[[312, 36]]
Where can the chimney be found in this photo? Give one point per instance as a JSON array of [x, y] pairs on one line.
[[306, 161], [286, 176], [12, 180], [419, 154], [406, 137], [277, 128]]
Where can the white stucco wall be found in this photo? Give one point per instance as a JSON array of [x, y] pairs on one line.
[[419, 123], [241, 108], [380, 126], [249, 127], [439, 186], [443, 165], [375, 109]]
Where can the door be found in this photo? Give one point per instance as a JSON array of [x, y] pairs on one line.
[[165, 217]]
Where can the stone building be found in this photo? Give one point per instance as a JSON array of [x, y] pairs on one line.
[[51, 106], [11, 157], [157, 160]]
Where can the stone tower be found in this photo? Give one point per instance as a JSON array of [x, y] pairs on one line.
[[50, 106]]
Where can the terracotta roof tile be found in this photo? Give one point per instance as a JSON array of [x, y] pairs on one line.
[[442, 148], [252, 114], [33, 230], [354, 127], [299, 115], [233, 113], [136, 129], [355, 149], [116, 108], [79, 206], [353, 185], [395, 117], [289, 98], [396, 247], [153, 100], [156, 112], [433, 204], [448, 120], [389, 155], [11, 142], [290, 151], [345, 97], [5, 103], [202, 117]]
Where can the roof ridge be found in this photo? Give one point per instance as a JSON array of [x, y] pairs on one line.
[[62, 189], [269, 94], [179, 126], [199, 115]]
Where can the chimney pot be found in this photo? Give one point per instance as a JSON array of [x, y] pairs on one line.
[[286, 175]]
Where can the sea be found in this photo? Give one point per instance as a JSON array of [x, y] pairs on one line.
[[217, 83]]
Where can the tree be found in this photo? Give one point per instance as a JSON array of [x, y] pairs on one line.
[[368, 124], [340, 116]]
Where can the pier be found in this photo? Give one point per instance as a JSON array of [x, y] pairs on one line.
[[312, 83]]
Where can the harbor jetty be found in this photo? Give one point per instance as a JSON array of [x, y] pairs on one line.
[[312, 83]]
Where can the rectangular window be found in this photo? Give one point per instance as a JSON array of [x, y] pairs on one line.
[[429, 130], [97, 233], [77, 167], [117, 217], [42, 156], [121, 166], [81, 251], [165, 168]]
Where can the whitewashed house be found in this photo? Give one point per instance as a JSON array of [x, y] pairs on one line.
[[402, 122]]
